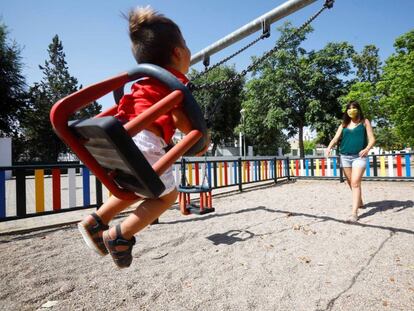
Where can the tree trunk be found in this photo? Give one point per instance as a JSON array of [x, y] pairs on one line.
[[213, 150], [301, 145]]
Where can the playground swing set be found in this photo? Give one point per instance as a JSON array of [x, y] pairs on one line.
[[105, 145]]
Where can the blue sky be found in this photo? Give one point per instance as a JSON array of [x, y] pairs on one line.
[[96, 43]]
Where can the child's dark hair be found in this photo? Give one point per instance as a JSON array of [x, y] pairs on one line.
[[346, 119], [153, 36]]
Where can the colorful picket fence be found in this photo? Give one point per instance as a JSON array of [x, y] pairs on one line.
[[386, 166], [219, 173], [40, 190]]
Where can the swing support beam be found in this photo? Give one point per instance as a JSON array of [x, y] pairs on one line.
[[263, 22]]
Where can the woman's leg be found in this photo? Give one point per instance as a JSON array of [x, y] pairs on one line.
[[356, 178], [348, 176]]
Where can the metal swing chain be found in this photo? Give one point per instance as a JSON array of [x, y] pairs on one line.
[[225, 60], [227, 84]]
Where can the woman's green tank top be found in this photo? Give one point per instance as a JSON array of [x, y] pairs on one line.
[[353, 140]]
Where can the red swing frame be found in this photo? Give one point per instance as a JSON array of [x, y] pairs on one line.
[[66, 107]]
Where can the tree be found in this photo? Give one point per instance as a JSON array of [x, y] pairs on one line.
[[12, 85], [367, 64], [331, 64], [295, 88], [42, 143], [309, 145], [368, 72], [221, 107], [265, 137], [387, 139], [396, 88]]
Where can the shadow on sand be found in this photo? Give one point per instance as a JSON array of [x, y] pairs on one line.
[[382, 206]]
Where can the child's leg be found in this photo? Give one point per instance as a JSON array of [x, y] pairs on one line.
[[93, 225], [119, 240], [112, 207], [145, 214]]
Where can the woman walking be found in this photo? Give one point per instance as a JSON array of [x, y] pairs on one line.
[[357, 138]]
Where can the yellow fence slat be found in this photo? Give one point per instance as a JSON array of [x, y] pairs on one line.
[[39, 191]]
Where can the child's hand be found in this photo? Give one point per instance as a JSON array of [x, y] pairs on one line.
[[327, 152]]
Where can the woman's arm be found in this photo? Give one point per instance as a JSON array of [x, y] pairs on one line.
[[371, 139], [334, 141]]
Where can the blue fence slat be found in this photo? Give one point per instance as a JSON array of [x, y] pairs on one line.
[[286, 167], [86, 187], [334, 167], [256, 170], [2, 194], [209, 173], [307, 167], [271, 170], [407, 166], [368, 168]]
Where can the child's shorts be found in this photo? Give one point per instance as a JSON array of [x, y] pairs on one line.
[[353, 160], [152, 147]]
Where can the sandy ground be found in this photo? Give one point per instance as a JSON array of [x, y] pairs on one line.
[[284, 247]]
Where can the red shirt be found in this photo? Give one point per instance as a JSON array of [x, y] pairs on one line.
[[145, 93]]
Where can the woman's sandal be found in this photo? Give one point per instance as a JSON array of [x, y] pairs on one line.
[[353, 219], [122, 258], [92, 234]]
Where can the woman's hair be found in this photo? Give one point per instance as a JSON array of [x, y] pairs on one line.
[[153, 36], [346, 119]]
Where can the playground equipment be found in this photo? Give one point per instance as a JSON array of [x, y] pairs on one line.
[[105, 145], [186, 189], [263, 22]]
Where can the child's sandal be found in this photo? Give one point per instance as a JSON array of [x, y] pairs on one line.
[[92, 234], [122, 258]]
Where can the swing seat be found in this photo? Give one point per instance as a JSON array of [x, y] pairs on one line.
[[186, 207], [193, 189], [109, 143], [195, 209], [105, 145]]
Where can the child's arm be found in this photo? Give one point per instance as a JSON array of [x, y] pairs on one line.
[[182, 123]]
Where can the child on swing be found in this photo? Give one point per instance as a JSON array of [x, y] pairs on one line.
[[157, 40]]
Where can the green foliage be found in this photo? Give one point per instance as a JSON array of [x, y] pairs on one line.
[[262, 130], [221, 107], [387, 139], [41, 142], [309, 146], [396, 88], [295, 88], [367, 64], [12, 85], [366, 94], [363, 89]]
